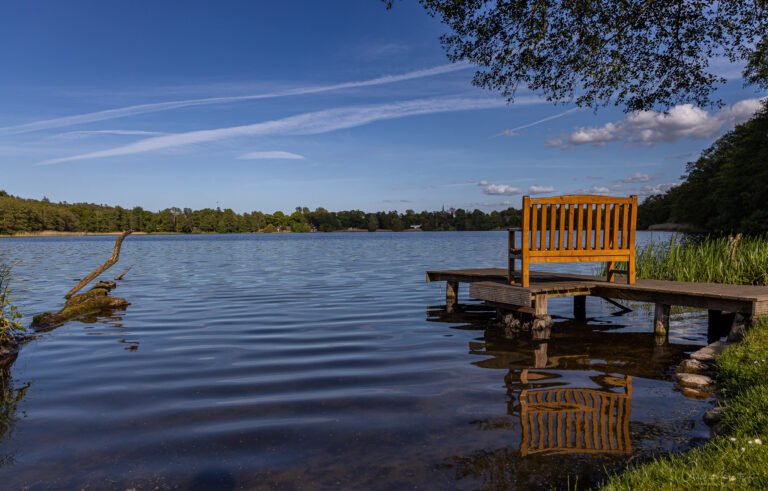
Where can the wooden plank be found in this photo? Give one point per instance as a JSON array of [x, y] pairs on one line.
[[590, 232], [534, 227], [598, 227], [500, 293], [580, 198], [525, 266], [580, 237], [615, 237], [542, 256], [686, 300], [552, 226], [561, 236], [625, 228]]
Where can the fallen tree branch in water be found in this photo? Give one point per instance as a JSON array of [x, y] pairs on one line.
[[94, 302], [107, 264]]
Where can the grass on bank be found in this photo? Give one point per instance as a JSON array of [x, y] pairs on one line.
[[10, 326], [739, 458], [736, 260]]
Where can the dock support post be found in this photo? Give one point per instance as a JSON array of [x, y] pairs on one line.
[[580, 307], [451, 295], [661, 323], [719, 324], [541, 319]]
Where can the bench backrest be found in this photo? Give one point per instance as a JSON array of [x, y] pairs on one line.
[[579, 223]]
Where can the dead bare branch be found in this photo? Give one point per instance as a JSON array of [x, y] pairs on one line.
[[120, 276], [107, 264]]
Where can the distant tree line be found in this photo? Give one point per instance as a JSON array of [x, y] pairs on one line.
[[28, 215], [725, 190]]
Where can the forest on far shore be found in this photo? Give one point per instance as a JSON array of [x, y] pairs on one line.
[[18, 215]]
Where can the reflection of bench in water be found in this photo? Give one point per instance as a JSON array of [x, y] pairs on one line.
[[572, 420]]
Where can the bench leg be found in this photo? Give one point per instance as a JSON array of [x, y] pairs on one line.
[[525, 274], [631, 271], [511, 267], [611, 274]]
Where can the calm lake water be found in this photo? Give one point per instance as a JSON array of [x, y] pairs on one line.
[[323, 361]]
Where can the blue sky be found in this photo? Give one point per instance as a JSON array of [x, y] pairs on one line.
[[272, 105]]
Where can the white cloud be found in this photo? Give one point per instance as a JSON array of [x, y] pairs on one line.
[[302, 124], [509, 190], [658, 188], [598, 190], [501, 189], [541, 189], [166, 106], [651, 127], [636, 177], [271, 155]]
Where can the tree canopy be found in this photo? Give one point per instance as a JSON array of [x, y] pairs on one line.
[[29, 215], [639, 54], [725, 190]]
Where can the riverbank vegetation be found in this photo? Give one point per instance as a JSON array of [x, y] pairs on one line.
[[18, 215], [10, 326], [725, 190], [740, 260], [738, 457]]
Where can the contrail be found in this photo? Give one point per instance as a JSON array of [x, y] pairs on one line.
[[514, 131], [311, 123], [123, 112]]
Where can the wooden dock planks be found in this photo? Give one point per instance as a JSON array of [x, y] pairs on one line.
[[490, 284]]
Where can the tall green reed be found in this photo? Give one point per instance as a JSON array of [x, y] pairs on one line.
[[736, 260]]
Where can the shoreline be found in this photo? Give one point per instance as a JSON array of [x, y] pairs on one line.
[[51, 233]]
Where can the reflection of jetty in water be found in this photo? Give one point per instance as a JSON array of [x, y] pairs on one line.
[[542, 367]]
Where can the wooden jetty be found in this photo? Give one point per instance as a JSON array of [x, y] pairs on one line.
[[492, 285]]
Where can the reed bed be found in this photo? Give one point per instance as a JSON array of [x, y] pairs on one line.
[[736, 260]]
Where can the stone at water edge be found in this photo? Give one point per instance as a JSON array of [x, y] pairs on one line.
[[714, 415], [696, 393], [693, 366], [693, 381], [709, 353]]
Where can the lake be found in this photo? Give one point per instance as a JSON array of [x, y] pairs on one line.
[[322, 361]]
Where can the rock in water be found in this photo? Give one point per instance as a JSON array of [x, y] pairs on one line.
[[708, 354], [694, 381], [692, 366]]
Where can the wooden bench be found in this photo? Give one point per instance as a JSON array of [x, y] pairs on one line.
[[576, 228]]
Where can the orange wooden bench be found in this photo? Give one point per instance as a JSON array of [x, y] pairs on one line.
[[576, 228]]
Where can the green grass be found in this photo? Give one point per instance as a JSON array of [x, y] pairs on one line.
[[735, 460], [736, 260], [10, 327]]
